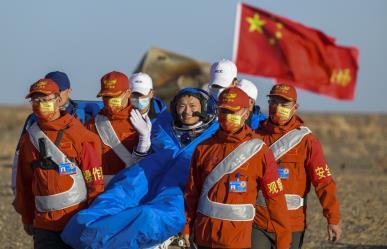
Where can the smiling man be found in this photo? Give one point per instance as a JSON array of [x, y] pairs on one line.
[[186, 108], [190, 114]]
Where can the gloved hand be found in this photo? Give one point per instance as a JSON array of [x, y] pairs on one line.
[[143, 126]]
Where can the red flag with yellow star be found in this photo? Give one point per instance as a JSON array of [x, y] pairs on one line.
[[274, 46]]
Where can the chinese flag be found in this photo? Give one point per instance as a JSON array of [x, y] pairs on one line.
[[274, 46]]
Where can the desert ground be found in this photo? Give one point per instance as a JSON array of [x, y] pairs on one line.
[[356, 149]]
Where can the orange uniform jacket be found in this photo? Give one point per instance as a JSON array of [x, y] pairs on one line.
[[259, 172], [306, 164], [77, 144], [128, 136]]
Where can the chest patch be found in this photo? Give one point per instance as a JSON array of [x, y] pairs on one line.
[[66, 146], [237, 186], [283, 173]]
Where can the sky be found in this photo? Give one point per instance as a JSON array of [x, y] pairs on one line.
[[89, 38]]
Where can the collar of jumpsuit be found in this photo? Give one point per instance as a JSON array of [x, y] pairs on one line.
[[226, 137], [121, 115], [270, 127], [57, 124]]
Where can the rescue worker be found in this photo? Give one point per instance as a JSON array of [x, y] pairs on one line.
[[59, 168], [124, 132], [256, 115], [142, 97], [83, 110], [227, 170], [224, 75], [300, 161]]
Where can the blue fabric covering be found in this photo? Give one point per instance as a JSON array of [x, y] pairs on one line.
[[144, 204], [84, 109], [256, 117], [158, 107]]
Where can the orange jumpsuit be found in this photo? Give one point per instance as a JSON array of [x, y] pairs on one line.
[[79, 145], [259, 172], [126, 133], [306, 164]]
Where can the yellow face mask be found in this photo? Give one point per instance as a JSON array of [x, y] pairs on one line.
[[284, 112], [115, 102], [47, 106], [234, 119]]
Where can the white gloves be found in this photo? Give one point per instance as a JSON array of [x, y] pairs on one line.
[[143, 126]]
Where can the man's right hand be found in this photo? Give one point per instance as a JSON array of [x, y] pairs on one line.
[[334, 232], [141, 124], [28, 228], [186, 240]]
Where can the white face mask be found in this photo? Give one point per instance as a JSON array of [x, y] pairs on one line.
[[140, 103], [215, 92]]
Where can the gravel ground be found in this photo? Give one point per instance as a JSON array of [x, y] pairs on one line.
[[355, 146]]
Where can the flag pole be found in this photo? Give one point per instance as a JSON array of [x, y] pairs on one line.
[[236, 31]]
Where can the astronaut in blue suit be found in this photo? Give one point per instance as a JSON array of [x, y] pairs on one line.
[[143, 206]]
